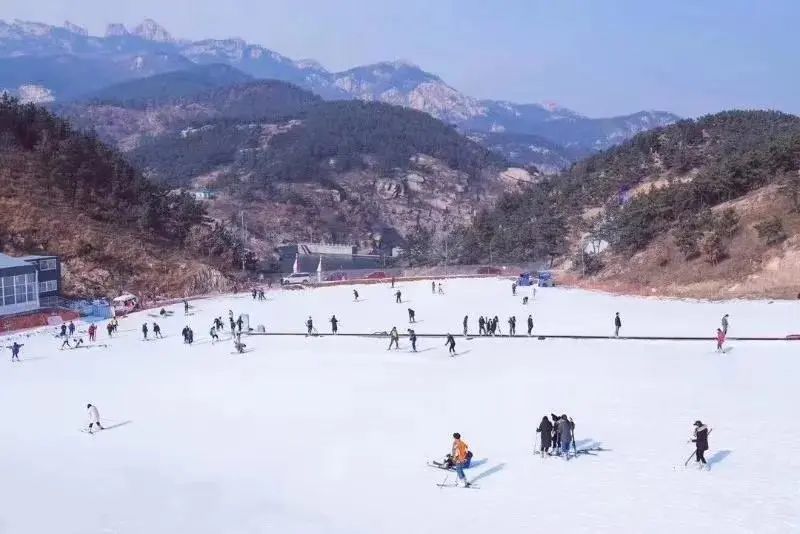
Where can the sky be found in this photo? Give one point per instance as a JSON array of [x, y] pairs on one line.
[[600, 58]]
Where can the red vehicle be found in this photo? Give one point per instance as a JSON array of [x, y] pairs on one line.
[[377, 275], [490, 270]]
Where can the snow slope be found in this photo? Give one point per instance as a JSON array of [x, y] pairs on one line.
[[332, 434]]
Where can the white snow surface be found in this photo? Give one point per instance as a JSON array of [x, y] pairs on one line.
[[318, 435]]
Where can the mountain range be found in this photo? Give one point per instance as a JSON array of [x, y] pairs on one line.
[[45, 63]]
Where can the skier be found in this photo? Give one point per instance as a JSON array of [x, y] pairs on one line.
[[465, 323], [556, 441], [233, 324], [65, 343], [157, 330], [71, 328], [213, 333], [254, 293], [15, 350], [462, 457], [398, 297], [545, 431], [355, 295], [725, 324], [513, 289], [92, 331], [63, 330], [512, 325], [163, 312], [496, 325], [433, 288], [309, 326], [110, 329], [524, 301], [144, 331], [261, 295], [185, 307], [334, 324], [394, 338], [239, 323], [617, 324], [530, 324], [185, 334], [700, 440], [720, 340], [481, 326], [411, 316], [441, 291], [94, 418], [565, 433], [412, 337], [451, 344], [393, 282], [237, 343]]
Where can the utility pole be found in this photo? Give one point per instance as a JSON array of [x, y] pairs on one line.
[[244, 240], [446, 256]]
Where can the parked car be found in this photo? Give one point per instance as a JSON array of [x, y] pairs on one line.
[[525, 279], [490, 270], [296, 278], [377, 275], [546, 279], [335, 277]]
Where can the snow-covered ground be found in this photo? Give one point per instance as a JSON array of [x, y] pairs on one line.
[[333, 434]]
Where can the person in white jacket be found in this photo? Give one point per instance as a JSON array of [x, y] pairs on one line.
[[94, 417]]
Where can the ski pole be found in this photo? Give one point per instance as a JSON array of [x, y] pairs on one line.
[[686, 463]]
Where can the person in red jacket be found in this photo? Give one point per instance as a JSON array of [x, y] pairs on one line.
[[720, 339]]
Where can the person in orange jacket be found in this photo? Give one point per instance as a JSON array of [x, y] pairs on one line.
[[720, 339], [461, 457]]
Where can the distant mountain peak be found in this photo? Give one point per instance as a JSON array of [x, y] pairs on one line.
[[74, 28], [35, 29], [152, 31], [116, 30], [308, 63]]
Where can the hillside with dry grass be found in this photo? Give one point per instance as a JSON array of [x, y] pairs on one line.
[[706, 208], [66, 193]]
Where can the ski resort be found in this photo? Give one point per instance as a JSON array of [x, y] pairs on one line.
[[276, 430]]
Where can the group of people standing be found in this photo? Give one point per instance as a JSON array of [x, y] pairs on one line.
[[490, 326], [558, 435]]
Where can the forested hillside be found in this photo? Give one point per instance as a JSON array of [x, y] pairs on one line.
[[67, 193], [322, 140], [300, 166], [168, 87], [686, 189]]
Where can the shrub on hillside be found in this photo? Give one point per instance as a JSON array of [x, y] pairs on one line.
[[727, 223], [714, 248], [771, 230], [687, 237]]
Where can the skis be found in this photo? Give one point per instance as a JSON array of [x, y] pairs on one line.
[[471, 486], [440, 466]]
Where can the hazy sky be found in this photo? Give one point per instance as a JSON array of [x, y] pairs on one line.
[[596, 57]]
